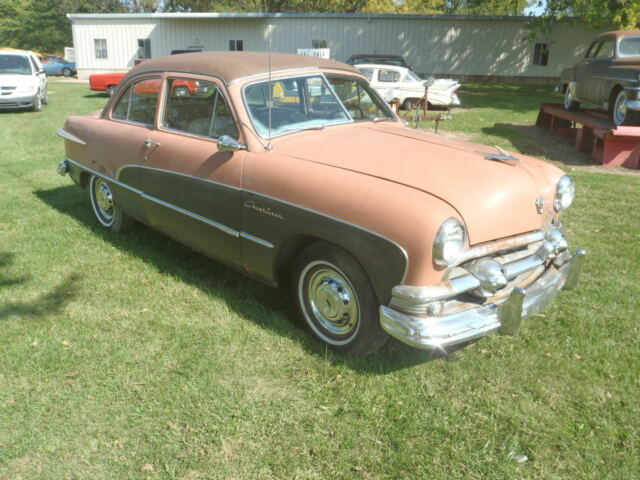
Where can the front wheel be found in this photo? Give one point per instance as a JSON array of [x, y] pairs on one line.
[[570, 102], [66, 72], [105, 209], [37, 103], [622, 116], [111, 90], [336, 301]]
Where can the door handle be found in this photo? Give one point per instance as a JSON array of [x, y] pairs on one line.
[[148, 143]]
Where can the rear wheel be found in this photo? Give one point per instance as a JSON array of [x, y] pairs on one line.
[[336, 301], [622, 116], [105, 209], [570, 102], [181, 92], [111, 89], [45, 97], [66, 72]]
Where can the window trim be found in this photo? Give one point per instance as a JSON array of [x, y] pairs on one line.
[[115, 101], [541, 50]]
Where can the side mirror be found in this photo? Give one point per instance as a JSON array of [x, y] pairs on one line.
[[228, 144], [41, 71]]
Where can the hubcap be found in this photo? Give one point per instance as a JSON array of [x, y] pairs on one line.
[[569, 95], [104, 200], [333, 302], [620, 110]]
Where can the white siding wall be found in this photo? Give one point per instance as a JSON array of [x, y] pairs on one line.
[[432, 45]]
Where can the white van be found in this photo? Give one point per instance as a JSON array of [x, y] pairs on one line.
[[23, 83]]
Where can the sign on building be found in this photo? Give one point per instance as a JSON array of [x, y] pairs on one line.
[[315, 52], [69, 54]]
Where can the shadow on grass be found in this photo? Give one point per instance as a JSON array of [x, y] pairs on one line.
[[6, 260], [515, 98], [246, 297], [538, 142], [45, 304], [96, 95]]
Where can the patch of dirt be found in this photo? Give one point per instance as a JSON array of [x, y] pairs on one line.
[[539, 143]]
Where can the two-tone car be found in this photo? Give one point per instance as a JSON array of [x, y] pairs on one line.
[[608, 77], [294, 171]]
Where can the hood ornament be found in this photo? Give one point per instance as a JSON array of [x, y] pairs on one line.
[[503, 157]]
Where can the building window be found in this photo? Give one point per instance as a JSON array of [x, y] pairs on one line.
[[236, 45], [541, 54], [100, 45], [319, 44], [144, 48]]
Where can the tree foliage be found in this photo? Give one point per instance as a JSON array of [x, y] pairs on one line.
[[597, 14]]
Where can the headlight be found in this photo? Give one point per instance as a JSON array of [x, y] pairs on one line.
[[26, 89], [565, 191], [449, 242]]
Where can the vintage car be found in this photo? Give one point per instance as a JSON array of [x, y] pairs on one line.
[[380, 229], [402, 84], [58, 66], [23, 83], [608, 77]]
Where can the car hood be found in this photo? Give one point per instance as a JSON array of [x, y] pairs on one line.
[[494, 199], [15, 80]]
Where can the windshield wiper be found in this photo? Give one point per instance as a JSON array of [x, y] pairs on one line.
[[302, 129]]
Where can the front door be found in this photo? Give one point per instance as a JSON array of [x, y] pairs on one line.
[[192, 190]]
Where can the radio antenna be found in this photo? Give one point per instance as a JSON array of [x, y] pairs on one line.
[[269, 145]]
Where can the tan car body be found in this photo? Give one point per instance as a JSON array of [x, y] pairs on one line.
[[380, 190]]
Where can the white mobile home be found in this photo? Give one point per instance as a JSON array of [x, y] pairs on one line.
[[464, 46]]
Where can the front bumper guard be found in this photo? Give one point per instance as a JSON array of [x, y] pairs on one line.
[[504, 315]]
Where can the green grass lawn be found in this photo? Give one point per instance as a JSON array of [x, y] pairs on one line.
[[129, 356]]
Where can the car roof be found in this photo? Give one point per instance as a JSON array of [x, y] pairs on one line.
[[377, 55], [16, 52], [230, 66], [621, 33]]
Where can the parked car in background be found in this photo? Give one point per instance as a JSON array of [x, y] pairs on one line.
[[608, 77], [379, 229], [397, 60], [400, 83], [58, 66], [23, 83], [105, 82]]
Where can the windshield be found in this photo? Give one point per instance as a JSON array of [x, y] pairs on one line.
[[629, 47], [14, 64], [412, 77], [310, 102]]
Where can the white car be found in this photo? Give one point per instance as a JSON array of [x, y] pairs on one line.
[[23, 83], [401, 83]]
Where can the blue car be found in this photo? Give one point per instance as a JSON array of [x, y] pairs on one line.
[[58, 66]]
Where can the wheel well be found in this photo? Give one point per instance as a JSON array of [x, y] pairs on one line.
[[287, 255], [84, 179], [612, 96]]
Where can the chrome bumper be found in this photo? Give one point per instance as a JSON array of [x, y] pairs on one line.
[[504, 314]]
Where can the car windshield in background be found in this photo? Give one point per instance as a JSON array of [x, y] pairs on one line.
[[297, 104], [629, 47], [359, 99], [14, 64]]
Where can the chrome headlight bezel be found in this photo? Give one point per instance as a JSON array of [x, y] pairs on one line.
[[449, 243], [565, 193]]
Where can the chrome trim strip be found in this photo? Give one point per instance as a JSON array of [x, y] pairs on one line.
[[617, 79], [257, 240], [489, 248], [61, 132]]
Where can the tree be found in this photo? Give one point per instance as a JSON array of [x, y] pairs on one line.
[[597, 14]]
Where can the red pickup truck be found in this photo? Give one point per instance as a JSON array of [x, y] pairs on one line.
[[107, 82]]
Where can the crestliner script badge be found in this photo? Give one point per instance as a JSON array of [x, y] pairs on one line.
[[265, 210]]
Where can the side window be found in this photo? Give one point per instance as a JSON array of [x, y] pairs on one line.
[[139, 102], [388, 76], [606, 50], [198, 107], [367, 72], [36, 69], [592, 50]]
